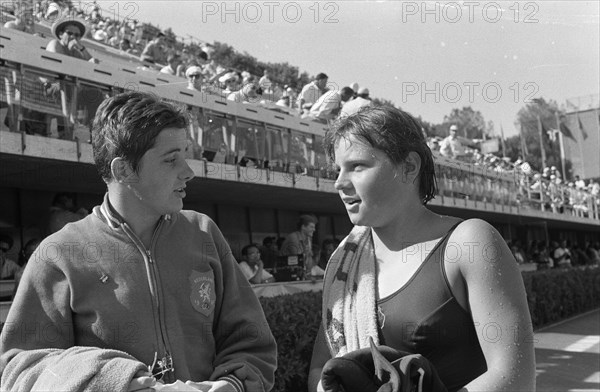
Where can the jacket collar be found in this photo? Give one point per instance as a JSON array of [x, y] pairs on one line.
[[107, 213]]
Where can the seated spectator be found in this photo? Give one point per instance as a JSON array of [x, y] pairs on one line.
[[362, 99], [153, 52], [247, 94], [228, 82], [265, 81], [328, 106], [252, 266], [561, 255], [579, 183], [290, 92], [63, 211], [542, 258], [312, 92], [173, 61], [593, 253], [52, 12], [8, 268], [100, 34], [195, 78], [451, 147], [579, 255], [19, 23], [68, 33], [284, 101], [518, 252], [125, 46]]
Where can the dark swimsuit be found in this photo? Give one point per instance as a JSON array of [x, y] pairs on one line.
[[424, 317]]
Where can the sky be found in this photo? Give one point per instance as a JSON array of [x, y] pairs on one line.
[[426, 57]]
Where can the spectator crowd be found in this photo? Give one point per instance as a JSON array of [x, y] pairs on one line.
[[315, 101]]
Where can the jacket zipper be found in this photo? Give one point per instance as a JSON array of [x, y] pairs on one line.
[[152, 282]]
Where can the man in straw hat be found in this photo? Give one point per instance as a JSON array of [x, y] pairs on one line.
[[68, 33]]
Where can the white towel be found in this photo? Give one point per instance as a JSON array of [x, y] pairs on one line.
[[349, 308]]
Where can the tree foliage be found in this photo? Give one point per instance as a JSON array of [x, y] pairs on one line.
[[527, 121], [282, 73], [470, 123]]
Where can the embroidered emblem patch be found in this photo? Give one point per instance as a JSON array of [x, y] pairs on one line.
[[202, 293]]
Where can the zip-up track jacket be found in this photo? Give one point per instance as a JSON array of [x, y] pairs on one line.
[[95, 284]]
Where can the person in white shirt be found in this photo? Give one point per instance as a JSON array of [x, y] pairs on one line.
[[362, 99], [312, 92], [247, 94], [171, 68], [252, 265], [328, 106], [451, 147]]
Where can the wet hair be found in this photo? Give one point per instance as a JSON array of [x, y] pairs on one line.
[[126, 126], [392, 131]]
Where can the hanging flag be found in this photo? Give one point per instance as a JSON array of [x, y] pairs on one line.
[[583, 132], [565, 130]]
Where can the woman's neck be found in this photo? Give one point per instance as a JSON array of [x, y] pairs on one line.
[[414, 227]]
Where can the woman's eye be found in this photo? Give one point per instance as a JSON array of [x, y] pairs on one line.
[[170, 160]]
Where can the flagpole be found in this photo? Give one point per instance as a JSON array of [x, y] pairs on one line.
[[597, 112], [503, 145], [541, 132], [524, 152], [562, 147]]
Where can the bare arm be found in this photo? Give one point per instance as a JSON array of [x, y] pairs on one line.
[[497, 300]]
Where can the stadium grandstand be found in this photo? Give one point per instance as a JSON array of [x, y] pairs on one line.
[[257, 164]]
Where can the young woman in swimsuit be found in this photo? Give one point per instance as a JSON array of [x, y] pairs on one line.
[[443, 287]]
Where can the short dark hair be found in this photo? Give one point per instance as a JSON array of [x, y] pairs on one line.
[[203, 55], [127, 125], [246, 248], [268, 241], [392, 131], [321, 76], [305, 219], [347, 91], [172, 57]]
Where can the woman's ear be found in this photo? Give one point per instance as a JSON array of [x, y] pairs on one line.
[[412, 167], [121, 170]]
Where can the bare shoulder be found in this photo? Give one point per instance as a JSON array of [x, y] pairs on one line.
[[479, 245], [475, 228]]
